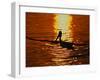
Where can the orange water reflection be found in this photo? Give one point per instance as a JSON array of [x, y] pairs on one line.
[[45, 27], [80, 28], [63, 23]]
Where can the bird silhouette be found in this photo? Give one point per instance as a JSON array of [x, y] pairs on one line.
[[63, 44], [67, 45]]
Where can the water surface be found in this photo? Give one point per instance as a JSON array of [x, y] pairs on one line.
[[41, 28]]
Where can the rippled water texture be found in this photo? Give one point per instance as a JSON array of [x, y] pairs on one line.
[[41, 32]]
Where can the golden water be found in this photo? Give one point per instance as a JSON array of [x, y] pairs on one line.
[[43, 26]]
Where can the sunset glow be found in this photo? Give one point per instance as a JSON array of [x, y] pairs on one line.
[[54, 39], [63, 23]]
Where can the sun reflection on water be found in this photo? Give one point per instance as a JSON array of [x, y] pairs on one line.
[[63, 23]]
